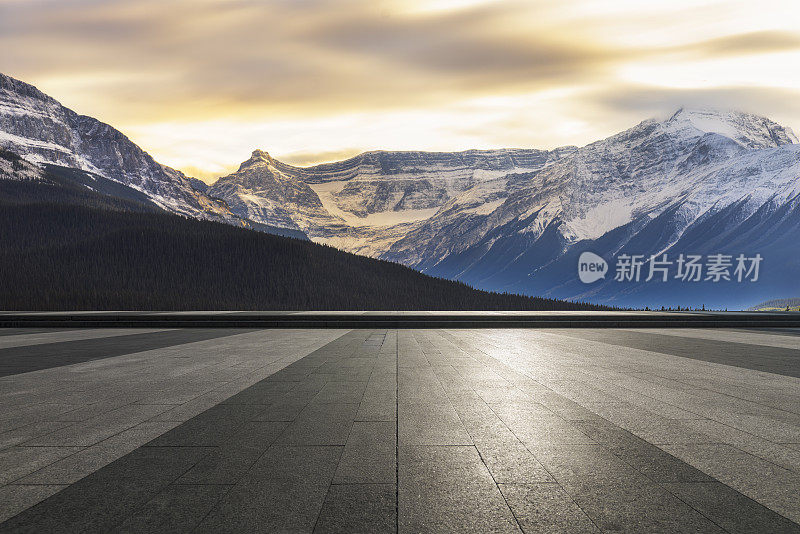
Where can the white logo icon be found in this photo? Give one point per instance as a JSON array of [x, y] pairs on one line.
[[591, 267]]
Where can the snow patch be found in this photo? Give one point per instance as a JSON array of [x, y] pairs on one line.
[[601, 218], [486, 208], [16, 140], [326, 191]]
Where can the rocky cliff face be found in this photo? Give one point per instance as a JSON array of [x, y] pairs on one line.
[[261, 192]]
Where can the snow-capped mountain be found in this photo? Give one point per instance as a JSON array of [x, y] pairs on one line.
[[41, 130], [613, 182], [700, 182], [515, 220]]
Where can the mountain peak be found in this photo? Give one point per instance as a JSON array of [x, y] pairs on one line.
[[256, 158], [746, 129], [17, 87]]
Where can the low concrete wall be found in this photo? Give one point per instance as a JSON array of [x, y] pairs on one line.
[[401, 319]]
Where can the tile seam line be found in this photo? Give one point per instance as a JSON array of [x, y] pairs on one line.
[[727, 486], [701, 417], [704, 389], [106, 339], [397, 431], [655, 331], [150, 420], [148, 501], [87, 447], [555, 480], [655, 483], [745, 495]]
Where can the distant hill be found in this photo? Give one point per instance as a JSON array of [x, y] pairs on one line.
[[778, 305], [65, 246]]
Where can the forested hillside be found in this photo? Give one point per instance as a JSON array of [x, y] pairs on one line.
[[64, 247]]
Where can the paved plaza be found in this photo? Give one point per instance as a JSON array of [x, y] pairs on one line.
[[428, 430]]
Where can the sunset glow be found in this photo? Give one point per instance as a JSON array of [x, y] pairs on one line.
[[199, 84]]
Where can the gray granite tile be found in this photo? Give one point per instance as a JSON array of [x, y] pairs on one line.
[[369, 455], [323, 424], [176, 509], [317, 463], [767, 483], [16, 462], [630, 506], [85, 462], [230, 461], [730, 509], [377, 410], [545, 509], [358, 508], [104, 499], [286, 409], [341, 392], [270, 505], [211, 428], [431, 424], [449, 489], [510, 462], [576, 466], [98, 428], [16, 498], [26, 433]]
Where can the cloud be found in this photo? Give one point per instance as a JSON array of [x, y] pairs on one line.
[[301, 57], [779, 104], [475, 44], [304, 159], [200, 83], [749, 43]]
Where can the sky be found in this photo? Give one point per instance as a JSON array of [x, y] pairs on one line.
[[202, 83]]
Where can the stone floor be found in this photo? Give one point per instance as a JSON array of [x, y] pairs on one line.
[[158, 430]]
